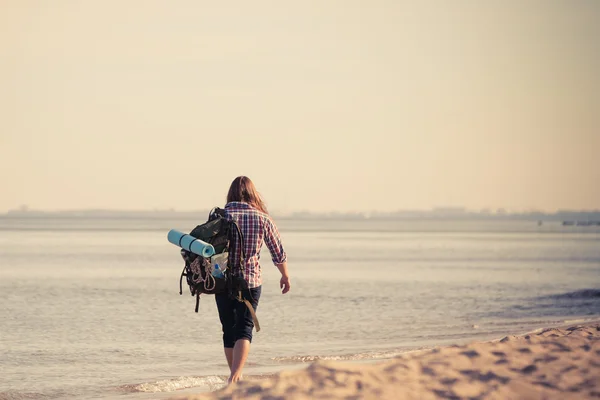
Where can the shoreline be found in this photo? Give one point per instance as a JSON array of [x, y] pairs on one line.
[[555, 362]]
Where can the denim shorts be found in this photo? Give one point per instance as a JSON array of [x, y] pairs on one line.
[[235, 317]]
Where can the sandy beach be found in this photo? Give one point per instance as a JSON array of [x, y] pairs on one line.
[[553, 363]]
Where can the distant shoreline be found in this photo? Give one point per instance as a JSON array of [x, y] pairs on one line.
[[566, 217]]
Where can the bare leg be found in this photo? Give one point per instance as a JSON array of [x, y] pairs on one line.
[[240, 354], [229, 356]]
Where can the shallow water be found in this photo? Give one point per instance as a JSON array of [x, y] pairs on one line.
[[91, 309]]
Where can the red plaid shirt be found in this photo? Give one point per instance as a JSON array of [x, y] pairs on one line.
[[257, 227]]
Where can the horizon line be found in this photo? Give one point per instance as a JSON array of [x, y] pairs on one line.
[[499, 211]]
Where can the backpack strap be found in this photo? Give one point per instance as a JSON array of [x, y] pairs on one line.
[[241, 299], [181, 280], [241, 237], [254, 319]]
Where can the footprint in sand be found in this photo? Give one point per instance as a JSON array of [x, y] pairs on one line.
[[470, 353], [524, 350], [529, 369], [569, 368], [547, 358]]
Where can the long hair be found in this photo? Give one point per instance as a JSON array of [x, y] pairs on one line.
[[242, 189]]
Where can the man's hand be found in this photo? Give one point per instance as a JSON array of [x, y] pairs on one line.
[[284, 284]]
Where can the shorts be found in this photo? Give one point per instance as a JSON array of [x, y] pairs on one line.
[[235, 317]]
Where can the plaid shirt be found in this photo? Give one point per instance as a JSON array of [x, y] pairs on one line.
[[257, 227]]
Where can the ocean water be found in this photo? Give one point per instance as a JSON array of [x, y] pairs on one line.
[[90, 308]]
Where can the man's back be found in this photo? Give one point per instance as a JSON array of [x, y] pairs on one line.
[[256, 227]]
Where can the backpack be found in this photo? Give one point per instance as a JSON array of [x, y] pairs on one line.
[[199, 271], [212, 275]]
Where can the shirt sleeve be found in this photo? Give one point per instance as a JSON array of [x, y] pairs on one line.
[[273, 242]]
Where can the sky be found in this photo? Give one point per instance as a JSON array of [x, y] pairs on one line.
[[326, 105]]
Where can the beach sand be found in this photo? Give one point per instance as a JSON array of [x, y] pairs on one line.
[[554, 363]]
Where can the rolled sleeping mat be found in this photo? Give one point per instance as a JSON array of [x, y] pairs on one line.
[[190, 243]]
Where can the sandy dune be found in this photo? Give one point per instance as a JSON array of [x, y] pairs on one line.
[[550, 364]]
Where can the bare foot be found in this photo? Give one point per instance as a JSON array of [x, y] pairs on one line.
[[234, 379]]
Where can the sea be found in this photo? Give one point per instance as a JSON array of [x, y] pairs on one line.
[[90, 307]]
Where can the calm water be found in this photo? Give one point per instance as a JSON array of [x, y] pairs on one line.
[[91, 309]]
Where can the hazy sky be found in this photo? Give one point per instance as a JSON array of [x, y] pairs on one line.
[[326, 105]]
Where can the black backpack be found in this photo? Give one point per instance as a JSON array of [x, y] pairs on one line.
[[198, 271], [219, 231]]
